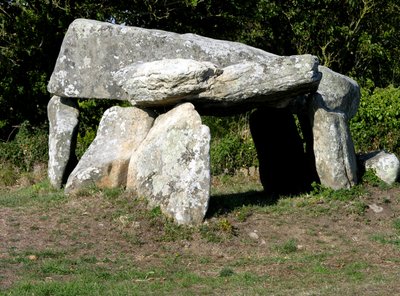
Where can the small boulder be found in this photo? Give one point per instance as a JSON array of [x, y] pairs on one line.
[[386, 166], [105, 162], [171, 167]]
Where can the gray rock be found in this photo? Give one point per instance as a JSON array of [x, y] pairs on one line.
[[105, 163], [92, 51], [63, 121], [273, 83], [335, 158], [335, 102], [375, 208], [171, 168], [94, 54], [170, 80], [386, 166], [337, 93]]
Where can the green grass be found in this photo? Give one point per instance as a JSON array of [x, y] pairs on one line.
[[38, 194], [280, 266]]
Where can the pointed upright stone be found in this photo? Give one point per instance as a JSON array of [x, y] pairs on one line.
[[171, 167]]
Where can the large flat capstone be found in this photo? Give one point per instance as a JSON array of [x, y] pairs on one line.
[[98, 60]]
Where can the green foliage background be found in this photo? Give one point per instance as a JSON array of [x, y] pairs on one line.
[[359, 38]]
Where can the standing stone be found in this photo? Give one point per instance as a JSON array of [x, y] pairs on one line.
[[105, 163], [171, 168], [334, 104], [63, 120], [386, 166], [334, 151]]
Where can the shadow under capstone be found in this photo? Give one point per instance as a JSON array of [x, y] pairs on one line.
[[286, 161], [227, 203]]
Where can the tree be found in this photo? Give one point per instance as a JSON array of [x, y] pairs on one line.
[[355, 37]]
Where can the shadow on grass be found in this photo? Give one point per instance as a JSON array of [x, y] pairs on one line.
[[225, 203]]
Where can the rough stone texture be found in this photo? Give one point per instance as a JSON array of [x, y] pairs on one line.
[[386, 166], [335, 102], [334, 151], [99, 49], [337, 93], [170, 81], [274, 83], [93, 53], [171, 168], [167, 80], [63, 120], [105, 163]]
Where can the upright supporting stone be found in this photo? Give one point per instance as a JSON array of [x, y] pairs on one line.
[[63, 120], [334, 104], [105, 163], [334, 151], [171, 168], [283, 166]]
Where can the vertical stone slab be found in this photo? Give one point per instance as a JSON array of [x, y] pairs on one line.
[[63, 121], [105, 163], [171, 168], [335, 157], [334, 104]]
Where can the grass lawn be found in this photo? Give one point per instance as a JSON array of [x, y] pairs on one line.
[[108, 242]]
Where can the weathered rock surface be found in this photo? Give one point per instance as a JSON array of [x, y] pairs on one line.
[[171, 167], [386, 166], [94, 54], [333, 149], [272, 84], [105, 163], [335, 102], [63, 121], [170, 81], [337, 93]]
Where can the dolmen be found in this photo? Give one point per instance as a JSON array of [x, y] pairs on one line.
[[159, 148]]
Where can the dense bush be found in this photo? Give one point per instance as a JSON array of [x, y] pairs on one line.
[[231, 144], [377, 122], [28, 148]]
